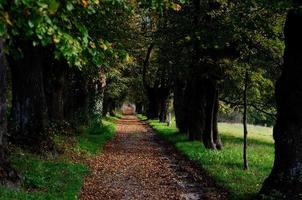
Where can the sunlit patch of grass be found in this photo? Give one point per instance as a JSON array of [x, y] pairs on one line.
[[226, 166]]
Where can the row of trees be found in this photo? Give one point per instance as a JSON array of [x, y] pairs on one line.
[[72, 61], [57, 57], [206, 52]]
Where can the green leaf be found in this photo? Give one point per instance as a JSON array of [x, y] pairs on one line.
[[2, 29], [69, 6], [53, 6], [31, 24]]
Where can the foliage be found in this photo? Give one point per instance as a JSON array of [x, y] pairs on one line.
[[68, 26]]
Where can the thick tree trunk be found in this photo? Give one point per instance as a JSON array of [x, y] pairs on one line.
[[54, 79], [210, 94], [98, 101], [285, 178], [164, 103], [105, 105], [29, 108], [97, 98], [153, 104], [180, 106], [3, 119], [8, 175], [112, 108], [139, 108], [76, 106], [196, 109]]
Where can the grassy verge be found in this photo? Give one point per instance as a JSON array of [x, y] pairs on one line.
[[58, 177], [93, 138], [226, 166]]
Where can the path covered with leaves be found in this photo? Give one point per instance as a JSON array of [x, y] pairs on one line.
[[138, 165]]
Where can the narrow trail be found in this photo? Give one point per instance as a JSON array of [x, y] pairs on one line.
[[138, 165]]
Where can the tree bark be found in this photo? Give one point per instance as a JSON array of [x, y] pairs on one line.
[[210, 94], [55, 78], [285, 178], [216, 136], [180, 106], [245, 161], [7, 174], [153, 106], [164, 103], [76, 107], [139, 108], [29, 108], [196, 109], [112, 107], [99, 101]]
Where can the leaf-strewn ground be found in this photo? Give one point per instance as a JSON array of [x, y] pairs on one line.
[[137, 165]]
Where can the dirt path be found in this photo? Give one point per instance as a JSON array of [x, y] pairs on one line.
[[137, 165]]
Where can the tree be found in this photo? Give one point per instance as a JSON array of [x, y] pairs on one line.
[[245, 131], [285, 178], [7, 173]]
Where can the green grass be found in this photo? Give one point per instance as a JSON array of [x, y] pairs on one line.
[[45, 179], [226, 166], [57, 178], [93, 138]]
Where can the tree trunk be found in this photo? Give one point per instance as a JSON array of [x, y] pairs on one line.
[[180, 106], [54, 80], [98, 101], [245, 161], [105, 105], [164, 103], [76, 106], [196, 109], [112, 107], [210, 94], [153, 104], [29, 108], [139, 108], [216, 137], [285, 178], [7, 174]]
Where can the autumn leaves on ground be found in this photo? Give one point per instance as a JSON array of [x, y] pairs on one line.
[[137, 165]]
